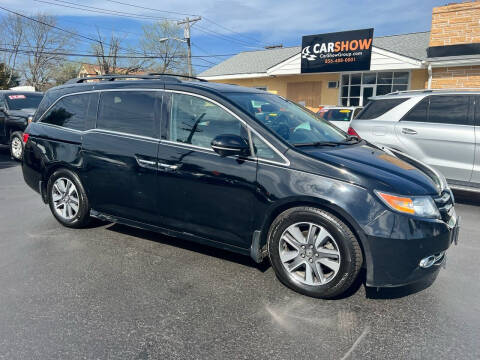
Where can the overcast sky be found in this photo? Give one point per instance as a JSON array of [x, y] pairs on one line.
[[239, 25]]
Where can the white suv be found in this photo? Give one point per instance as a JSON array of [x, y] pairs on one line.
[[439, 127]]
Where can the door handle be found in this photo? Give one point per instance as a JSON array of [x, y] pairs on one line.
[[168, 166], [408, 131], [146, 163]]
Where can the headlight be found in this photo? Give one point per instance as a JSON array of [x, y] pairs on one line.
[[422, 206]]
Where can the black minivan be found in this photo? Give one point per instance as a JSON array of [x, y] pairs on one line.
[[239, 169]]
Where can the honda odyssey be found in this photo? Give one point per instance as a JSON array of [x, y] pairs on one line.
[[203, 162]]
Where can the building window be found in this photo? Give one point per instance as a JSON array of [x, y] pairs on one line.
[[357, 88]]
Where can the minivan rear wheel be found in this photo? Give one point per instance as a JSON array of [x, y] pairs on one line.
[[67, 199], [314, 252]]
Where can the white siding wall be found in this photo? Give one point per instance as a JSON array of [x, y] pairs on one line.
[[381, 60]]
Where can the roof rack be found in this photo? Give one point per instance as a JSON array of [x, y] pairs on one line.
[[432, 90], [149, 76], [182, 76]]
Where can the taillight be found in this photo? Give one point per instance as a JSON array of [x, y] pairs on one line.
[[25, 138], [351, 131]]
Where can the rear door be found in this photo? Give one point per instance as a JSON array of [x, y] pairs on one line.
[[439, 131], [120, 155]]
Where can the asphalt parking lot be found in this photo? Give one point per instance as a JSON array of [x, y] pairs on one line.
[[119, 293]]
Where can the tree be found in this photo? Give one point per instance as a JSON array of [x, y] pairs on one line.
[[108, 59], [8, 78], [13, 38], [107, 53], [68, 70], [46, 50], [162, 40]]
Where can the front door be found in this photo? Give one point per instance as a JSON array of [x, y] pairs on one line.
[[120, 155], [367, 92], [203, 193]]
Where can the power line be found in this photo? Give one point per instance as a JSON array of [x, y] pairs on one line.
[[59, 28], [147, 8], [183, 14], [235, 32], [111, 56], [117, 12], [145, 17]]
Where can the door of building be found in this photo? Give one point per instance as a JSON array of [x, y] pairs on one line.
[[367, 92]]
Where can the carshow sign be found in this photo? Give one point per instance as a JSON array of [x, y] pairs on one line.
[[339, 51]]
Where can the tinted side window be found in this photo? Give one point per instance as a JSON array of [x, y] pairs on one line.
[[449, 109], [376, 108], [263, 151], [418, 112], [196, 121], [131, 112], [69, 112]]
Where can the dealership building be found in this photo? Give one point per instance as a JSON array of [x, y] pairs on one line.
[[447, 56]]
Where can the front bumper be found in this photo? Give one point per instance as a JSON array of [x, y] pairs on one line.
[[396, 260]]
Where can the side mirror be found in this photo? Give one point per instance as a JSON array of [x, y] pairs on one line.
[[228, 145]]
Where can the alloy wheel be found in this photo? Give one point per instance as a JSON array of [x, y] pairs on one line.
[[16, 147], [65, 198], [309, 254]]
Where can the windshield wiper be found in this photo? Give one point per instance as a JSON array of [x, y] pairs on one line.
[[320, 143], [349, 141]]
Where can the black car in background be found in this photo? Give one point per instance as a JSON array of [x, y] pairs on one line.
[[243, 170], [15, 108]]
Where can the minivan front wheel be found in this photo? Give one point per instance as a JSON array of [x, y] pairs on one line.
[[67, 199], [313, 252]]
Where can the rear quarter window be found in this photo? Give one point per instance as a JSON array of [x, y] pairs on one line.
[[376, 108], [70, 112]]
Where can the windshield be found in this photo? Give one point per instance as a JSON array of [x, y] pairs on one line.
[[19, 101], [290, 121], [335, 114]]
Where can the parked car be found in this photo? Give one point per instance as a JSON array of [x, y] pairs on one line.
[[193, 159], [438, 127], [339, 116], [15, 108]]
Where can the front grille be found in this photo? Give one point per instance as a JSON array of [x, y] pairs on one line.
[[444, 204]]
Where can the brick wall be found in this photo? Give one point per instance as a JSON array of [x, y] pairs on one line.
[[456, 24], [456, 77]]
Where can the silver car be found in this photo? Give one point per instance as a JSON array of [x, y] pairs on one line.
[[439, 127], [339, 116]]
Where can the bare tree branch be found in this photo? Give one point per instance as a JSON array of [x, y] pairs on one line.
[[170, 55], [13, 38], [46, 45]]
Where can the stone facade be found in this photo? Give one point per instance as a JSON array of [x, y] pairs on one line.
[[456, 24], [456, 77]]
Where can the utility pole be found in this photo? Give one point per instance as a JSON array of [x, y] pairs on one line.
[[186, 35]]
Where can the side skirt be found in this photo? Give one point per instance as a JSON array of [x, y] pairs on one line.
[[169, 232]]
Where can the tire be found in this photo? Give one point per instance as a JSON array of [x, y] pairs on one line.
[[75, 212], [16, 145], [324, 265]]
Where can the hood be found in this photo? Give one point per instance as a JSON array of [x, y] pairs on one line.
[[374, 168], [21, 113]]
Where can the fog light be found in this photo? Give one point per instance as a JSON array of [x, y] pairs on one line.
[[431, 260]]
